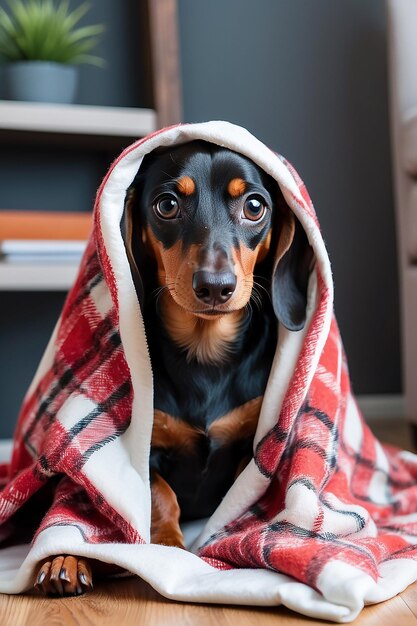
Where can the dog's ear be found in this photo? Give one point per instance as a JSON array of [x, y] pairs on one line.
[[291, 271], [131, 241]]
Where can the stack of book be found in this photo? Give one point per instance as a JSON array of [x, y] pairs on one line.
[[43, 236]]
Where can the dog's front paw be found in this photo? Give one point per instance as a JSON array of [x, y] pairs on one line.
[[64, 576]]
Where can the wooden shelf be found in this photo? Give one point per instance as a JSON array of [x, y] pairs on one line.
[[76, 119], [37, 276], [69, 122]]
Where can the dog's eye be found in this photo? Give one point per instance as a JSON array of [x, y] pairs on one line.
[[167, 207], [254, 208]]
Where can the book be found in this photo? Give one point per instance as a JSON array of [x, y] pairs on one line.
[[41, 225], [43, 236]]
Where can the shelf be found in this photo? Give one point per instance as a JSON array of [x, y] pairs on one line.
[[76, 119], [37, 276], [6, 448]]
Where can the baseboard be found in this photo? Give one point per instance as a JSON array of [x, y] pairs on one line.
[[383, 406]]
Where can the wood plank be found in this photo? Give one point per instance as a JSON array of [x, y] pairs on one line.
[[164, 48], [132, 602], [76, 119], [128, 602], [44, 225], [409, 596]]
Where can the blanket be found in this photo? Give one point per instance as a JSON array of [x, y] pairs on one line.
[[323, 519]]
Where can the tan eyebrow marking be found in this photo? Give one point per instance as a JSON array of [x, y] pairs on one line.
[[236, 187], [186, 185]]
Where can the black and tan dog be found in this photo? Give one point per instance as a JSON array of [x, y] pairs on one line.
[[220, 259]]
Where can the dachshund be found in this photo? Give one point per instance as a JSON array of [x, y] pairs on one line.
[[217, 258]]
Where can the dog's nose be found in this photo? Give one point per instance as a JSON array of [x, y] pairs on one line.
[[214, 287]]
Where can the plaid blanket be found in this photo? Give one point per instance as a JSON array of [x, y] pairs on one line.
[[323, 519]]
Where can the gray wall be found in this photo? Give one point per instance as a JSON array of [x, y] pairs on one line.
[[308, 78]]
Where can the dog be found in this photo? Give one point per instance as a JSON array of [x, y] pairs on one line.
[[217, 258]]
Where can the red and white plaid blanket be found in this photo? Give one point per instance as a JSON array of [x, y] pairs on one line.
[[323, 519]]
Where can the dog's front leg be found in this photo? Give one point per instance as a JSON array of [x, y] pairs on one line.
[[165, 521]]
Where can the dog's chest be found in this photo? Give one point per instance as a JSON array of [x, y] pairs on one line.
[[200, 393], [205, 418]]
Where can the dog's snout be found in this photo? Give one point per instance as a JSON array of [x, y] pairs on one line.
[[214, 287]]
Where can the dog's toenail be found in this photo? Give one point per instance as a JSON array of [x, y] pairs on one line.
[[64, 575]]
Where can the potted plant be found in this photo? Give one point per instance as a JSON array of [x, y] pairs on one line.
[[42, 44]]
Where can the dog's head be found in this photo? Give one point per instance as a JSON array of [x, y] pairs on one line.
[[209, 216]]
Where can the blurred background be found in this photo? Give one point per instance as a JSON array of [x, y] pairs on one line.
[[310, 80]]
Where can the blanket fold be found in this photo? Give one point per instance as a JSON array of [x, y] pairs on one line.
[[323, 519]]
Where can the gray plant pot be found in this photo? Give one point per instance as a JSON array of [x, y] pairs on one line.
[[41, 81]]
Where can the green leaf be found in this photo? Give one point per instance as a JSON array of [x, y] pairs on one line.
[[46, 30], [86, 32]]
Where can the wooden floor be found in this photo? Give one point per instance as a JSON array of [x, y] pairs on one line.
[[131, 602]]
